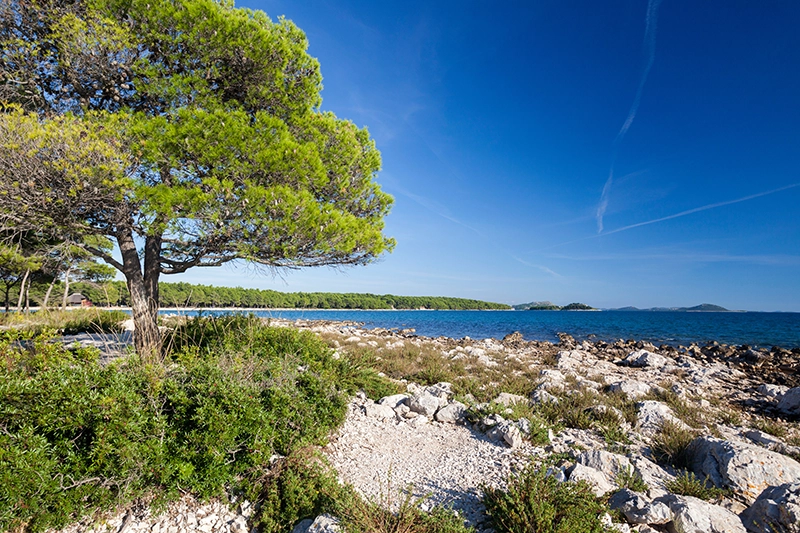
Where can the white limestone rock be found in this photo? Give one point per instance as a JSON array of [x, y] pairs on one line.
[[425, 404], [394, 400], [324, 523], [507, 399], [638, 509], [451, 413], [381, 412], [745, 469], [790, 402], [597, 479], [611, 464], [651, 416], [693, 515], [643, 358], [773, 391], [542, 396], [631, 388], [777, 509]]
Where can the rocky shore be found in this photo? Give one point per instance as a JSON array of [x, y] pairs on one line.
[[678, 439]]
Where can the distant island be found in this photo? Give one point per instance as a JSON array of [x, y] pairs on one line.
[[550, 306], [702, 308]]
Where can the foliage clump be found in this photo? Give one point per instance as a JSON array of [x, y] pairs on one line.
[[671, 444], [80, 437], [686, 483], [536, 502]]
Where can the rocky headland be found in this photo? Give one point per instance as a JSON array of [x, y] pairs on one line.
[[676, 438]]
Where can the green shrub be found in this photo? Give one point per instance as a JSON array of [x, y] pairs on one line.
[[571, 410], [536, 503], [670, 444], [359, 515], [80, 437], [773, 427], [688, 484], [630, 479], [296, 487]]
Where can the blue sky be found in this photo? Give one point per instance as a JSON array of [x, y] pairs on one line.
[[615, 153]]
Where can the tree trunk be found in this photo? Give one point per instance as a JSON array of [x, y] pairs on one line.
[[66, 288], [21, 298], [146, 337], [47, 294]]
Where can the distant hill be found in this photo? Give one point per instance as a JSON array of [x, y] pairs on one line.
[[708, 308]]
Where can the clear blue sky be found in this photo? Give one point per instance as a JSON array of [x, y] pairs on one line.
[[615, 153]]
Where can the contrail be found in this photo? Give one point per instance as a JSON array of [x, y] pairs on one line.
[[702, 208], [649, 46], [670, 217]]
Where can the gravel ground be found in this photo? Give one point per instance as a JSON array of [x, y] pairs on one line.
[[444, 463]]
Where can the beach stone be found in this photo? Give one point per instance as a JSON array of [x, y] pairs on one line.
[[513, 338], [394, 400], [773, 391], [611, 464], [597, 479], [790, 402], [651, 415], [776, 510], [631, 388], [643, 358], [745, 469], [542, 396], [425, 404], [303, 525], [654, 476], [511, 434], [693, 515], [381, 412], [451, 413], [638, 509], [324, 523], [551, 379], [504, 398], [762, 438]]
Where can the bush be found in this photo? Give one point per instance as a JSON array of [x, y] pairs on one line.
[[80, 437], [688, 484], [630, 479], [670, 444], [367, 516], [537, 503]]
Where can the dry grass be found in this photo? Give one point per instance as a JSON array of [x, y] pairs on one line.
[[426, 363]]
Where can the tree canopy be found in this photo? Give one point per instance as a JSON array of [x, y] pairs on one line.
[[188, 131]]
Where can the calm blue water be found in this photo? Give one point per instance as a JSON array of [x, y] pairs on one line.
[[756, 329]]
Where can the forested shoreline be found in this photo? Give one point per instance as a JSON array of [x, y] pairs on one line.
[[115, 293]]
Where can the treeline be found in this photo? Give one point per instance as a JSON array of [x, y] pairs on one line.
[[190, 295]]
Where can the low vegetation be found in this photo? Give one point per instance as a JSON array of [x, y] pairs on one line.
[[67, 322], [535, 502], [686, 483], [670, 445], [79, 436]]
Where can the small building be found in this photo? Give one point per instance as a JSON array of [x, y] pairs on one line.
[[78, 299]]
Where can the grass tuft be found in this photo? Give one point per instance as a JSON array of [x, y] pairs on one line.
[[670, 445], [688, 484]]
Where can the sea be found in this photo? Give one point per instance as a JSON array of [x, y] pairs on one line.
[[663, 327]]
